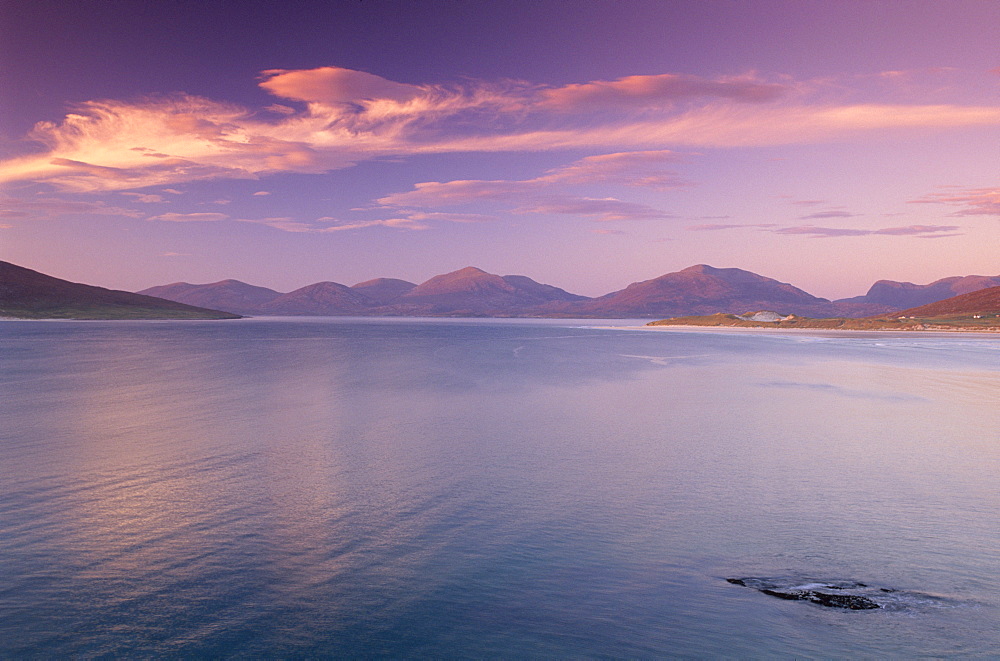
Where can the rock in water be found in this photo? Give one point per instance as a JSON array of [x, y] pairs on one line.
[[833, 595]]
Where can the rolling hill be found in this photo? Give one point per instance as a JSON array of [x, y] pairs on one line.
[[230, 295], [321, 298], [985, 302]]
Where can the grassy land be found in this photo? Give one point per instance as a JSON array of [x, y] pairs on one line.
[[949, 323]]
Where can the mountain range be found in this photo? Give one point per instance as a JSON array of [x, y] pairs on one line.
[[470, 291], [697, 290], [32, 295]]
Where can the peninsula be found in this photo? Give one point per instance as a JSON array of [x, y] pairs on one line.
[[974, 311]]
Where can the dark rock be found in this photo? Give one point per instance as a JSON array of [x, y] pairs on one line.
[[815, 592], [850, 601]]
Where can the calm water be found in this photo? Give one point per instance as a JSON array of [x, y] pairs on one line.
[[405, 488]]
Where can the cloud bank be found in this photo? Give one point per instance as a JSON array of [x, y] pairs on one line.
[[331, 118]]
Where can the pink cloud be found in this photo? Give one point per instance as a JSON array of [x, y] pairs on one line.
[[604, 209], [658, 90], [351, 116], [638, 168], [451, 217], [830, 213], [438, 193], [714, 227], [284, 224], [327, 224], [972, 201], [280, 109], [190, 217], [546, 194], [48, 207], [921, 231], [332, 85], [146, 198], [398, 223], [609, 232], [624, 168]]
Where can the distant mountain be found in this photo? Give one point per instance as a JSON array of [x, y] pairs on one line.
[[981, 301], [228, 295], [901, 295], [321, 298], [29, 294], [702, 289], [697, 290], [476, 292], [468, 291], [383, 291]]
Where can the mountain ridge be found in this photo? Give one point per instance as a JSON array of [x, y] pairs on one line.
[[903, 295], [471, 291]]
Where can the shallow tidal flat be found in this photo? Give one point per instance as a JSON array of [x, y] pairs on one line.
[[458, 488]]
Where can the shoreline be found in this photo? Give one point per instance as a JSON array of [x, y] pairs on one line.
[[807, 331]]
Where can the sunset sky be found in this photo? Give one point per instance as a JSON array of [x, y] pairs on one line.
[[584, 144]]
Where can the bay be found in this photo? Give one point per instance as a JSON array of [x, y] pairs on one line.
[[354, 487]]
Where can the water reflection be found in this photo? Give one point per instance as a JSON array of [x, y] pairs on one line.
[[398, 489]]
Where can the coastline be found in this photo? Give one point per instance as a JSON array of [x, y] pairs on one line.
[[834, 332]]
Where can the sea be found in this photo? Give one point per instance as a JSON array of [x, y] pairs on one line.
[[494, 489]]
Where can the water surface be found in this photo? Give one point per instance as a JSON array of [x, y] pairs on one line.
[[457, 488]]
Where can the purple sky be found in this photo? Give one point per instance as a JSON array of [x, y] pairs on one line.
[[584, 144]]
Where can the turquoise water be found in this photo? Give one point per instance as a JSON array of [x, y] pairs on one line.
[[456, 488]]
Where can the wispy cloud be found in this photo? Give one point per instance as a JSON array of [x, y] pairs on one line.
[[451, 217], [657, 90], [600, 209], [326, 225], [285, 224], [829, 213], [146, 198], [971, 201], [190, 217], [919, 231], [547, 194], [350, 116], [49, 206], [922, 231], [714, 227]]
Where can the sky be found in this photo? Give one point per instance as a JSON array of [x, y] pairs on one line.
[[585, 144]]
